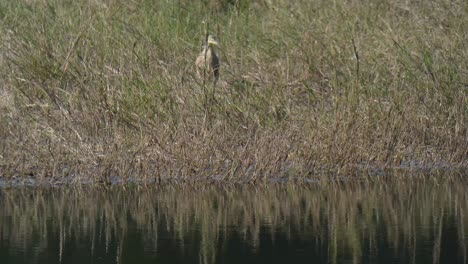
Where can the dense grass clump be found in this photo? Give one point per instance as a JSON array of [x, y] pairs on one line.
[[109, 87]]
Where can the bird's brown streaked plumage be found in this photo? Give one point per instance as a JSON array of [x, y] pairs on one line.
[[207, 62]]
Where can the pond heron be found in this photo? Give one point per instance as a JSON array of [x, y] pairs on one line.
[[207, 62]]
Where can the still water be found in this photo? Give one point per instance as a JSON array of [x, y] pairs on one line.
[[399, 221]]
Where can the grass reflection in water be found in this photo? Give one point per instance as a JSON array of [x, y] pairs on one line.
[[407, 220]]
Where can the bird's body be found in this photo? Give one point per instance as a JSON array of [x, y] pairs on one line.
[[207, 62]]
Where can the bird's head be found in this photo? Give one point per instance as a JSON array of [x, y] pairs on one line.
[[212, 41]]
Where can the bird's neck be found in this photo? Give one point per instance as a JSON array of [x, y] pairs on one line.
[[210, 48]]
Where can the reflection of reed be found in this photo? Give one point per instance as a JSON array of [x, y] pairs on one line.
[[347, 217]]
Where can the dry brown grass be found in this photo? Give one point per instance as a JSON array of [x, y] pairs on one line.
[[108, 88]]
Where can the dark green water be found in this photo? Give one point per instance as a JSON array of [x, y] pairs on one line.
[[405, 221]]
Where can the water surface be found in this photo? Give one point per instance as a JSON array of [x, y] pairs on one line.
[[399, 221]]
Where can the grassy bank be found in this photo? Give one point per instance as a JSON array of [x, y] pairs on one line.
[[109, 88]]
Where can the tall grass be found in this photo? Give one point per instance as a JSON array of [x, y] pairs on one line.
[[108, 87]]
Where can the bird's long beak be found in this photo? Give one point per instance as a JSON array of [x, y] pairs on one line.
[[213, 42]]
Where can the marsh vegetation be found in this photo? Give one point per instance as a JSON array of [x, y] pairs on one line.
[[107, 88]]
